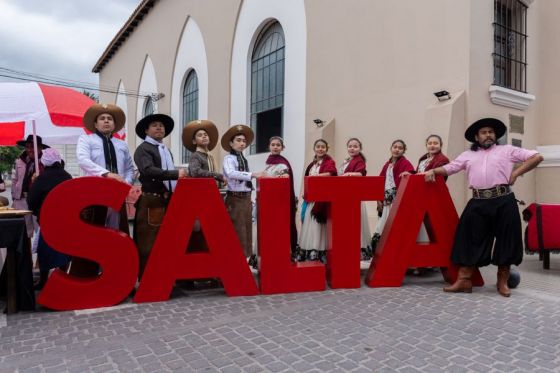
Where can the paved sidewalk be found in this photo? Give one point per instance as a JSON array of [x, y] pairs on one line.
[[416, 328]]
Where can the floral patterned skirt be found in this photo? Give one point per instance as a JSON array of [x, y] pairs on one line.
[[313, 238]]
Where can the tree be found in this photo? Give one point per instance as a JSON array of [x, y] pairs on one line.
[[8, 155], [91, 95]]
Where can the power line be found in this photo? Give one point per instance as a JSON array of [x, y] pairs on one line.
[[68, 81], [90, 88], [26, 76]]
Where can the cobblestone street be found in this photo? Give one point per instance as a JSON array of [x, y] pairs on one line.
[[409, 329]]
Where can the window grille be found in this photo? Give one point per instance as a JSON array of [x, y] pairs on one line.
[[148, 106], [510, 44], [267, 86], [190, 106]]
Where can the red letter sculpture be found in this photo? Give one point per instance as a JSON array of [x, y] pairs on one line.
[[195, 199], [343, 243], [115, 251], [398, 249], [278, 274]]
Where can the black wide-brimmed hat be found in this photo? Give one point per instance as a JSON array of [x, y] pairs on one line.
[[144, 123], [29, 140], [498, 126]]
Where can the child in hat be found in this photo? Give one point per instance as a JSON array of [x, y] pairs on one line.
[[239, 185]]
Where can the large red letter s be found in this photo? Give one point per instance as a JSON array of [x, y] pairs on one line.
[[115, 251]]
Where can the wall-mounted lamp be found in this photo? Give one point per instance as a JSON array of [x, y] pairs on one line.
[[319, 123], [442, 95], [157, 96]]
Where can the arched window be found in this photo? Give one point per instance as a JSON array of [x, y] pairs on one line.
[[267, 86], [190, 105], [148, 106]]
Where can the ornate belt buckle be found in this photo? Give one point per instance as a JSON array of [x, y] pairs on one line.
[[487, 194]]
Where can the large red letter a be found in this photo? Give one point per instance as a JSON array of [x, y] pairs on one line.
[[398, 249], [195, 199]]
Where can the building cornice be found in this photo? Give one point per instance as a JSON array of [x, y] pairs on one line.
[[139, 13], [527, 2], [551, 155], [510, 98]]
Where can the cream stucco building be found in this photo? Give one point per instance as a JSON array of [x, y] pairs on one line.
[[336, 69]]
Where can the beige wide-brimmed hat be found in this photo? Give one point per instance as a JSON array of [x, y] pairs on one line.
[[196, 125], [97, 109], [238, 129]]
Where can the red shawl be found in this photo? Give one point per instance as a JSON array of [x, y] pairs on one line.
[[327, 165], [278, 159], [357, 164], [319, 210], [401, 165], [437, 161]]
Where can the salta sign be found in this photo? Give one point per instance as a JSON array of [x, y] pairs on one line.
[[200, 199]]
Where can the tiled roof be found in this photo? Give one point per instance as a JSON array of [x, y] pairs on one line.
[[133, 21]]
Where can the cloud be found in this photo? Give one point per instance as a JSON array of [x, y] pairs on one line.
[[58, 37], [63, 10]]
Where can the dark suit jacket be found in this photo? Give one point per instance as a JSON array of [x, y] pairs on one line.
[[152, 176]]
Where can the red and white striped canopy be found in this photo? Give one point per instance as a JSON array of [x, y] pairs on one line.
[[57, 112]]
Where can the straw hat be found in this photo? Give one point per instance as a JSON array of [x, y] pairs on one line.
[[238, 129], [145, 122], [97, 109], [196, 125]]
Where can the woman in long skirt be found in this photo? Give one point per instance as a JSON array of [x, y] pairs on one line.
[[278, 166], [355, 165], [392, 171], [313, 238]]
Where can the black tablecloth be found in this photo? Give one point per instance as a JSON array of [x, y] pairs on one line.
[[13, 235]]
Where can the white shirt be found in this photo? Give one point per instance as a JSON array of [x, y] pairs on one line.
[[389, 178], [422, 165], [91, 157], [345, 164], [274, 170], [166, 161], [236, 180]]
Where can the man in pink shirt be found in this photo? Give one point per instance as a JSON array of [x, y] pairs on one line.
[[492, 213]]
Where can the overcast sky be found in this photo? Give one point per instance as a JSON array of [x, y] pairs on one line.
[[60, 38]]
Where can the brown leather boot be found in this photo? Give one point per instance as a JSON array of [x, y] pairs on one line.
[[445, 274], [503, 276], [463, 283]]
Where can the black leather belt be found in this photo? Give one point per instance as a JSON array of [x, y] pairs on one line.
[[495, 192], [165, 195], [238, 194]]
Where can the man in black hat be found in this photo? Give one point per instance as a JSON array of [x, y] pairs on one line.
[[157, 175], [492, 213], [22, 177]]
